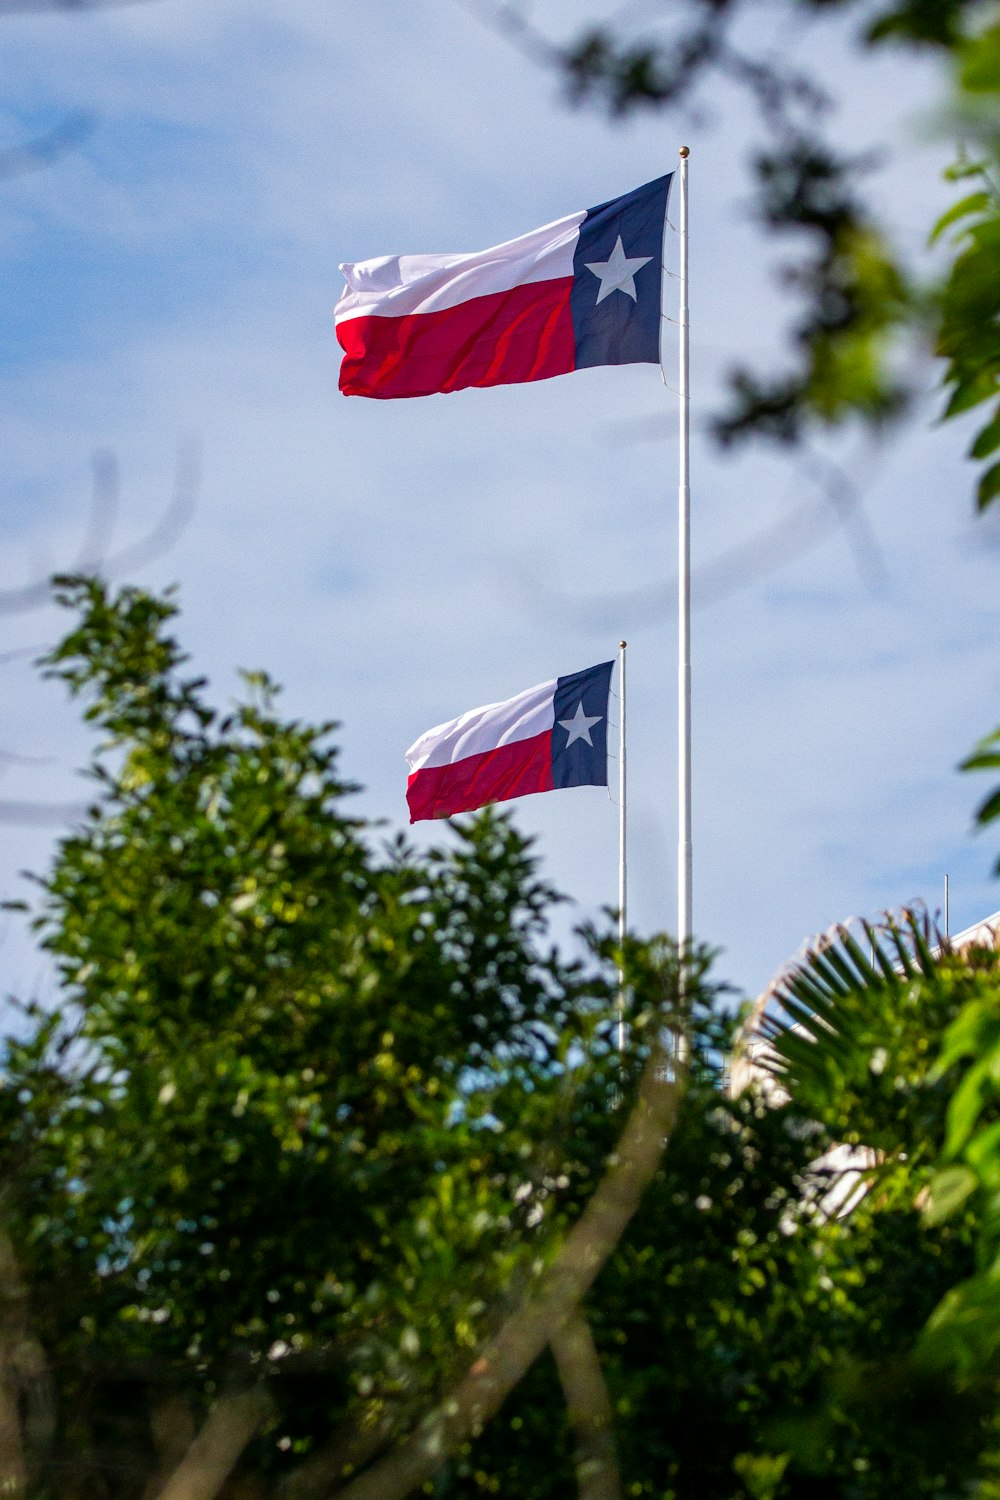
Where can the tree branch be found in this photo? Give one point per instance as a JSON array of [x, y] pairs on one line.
[[213, 1455], [13, 1473], [171, 1423], [348, 1450], [95, 554], [537, 1319], [40, 152], [24, 1379], [589, 1408]]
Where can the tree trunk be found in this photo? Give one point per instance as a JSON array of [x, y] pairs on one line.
[[589, 1407], [538, 1318], [215, 1452]]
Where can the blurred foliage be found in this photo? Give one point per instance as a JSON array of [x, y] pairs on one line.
[[883, 1044], [313, 1114], [309, 1113], [863, 310], [752, 1344], [299, 1108], [852, 1033]]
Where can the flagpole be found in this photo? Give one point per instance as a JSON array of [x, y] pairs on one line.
[[622, 845], [684, 852]]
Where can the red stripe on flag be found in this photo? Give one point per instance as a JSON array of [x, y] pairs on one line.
[[501, 339], [492, 776]]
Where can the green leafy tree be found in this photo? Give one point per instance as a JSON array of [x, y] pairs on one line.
[[763, 1324], [312, 1120], [884, 1040], [324, 1176]]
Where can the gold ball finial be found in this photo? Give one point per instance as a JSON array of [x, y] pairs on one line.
[[622, 645], [684, 151]]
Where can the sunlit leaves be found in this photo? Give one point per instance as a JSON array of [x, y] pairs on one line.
[[306, 1094], [858, 309], [988, 486], [969, 330], [315, 1112], [849, 1029], [855, 295], [986, 757]]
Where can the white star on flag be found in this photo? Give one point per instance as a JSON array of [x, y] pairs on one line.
[[617, 273], [579, 725]]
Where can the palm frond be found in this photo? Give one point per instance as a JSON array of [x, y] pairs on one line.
[[845, 1021]]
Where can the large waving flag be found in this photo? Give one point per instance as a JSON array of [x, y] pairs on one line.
[[582, 291], [553, 735]]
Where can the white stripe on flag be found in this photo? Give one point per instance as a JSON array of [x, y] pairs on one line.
[[392, 286], [521, 718]]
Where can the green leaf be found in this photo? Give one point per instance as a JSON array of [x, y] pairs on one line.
[[975, 203], [990, 809], [965, 1108], [988, 487], [970, 391], [762, 1473], [986, 755], [960, 170], [987, 441], [947, 1191]]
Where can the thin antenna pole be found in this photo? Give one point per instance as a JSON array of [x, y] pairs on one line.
[[622, 842], [947, 922], [684, 853]]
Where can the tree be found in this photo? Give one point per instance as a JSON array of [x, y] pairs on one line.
[[311, 1118], [888, 1043], [326, 1148], [861, 304]]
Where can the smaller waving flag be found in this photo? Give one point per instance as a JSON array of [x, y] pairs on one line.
[[554, 735], [584, 290]]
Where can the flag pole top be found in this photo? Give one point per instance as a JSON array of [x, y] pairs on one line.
[[684, 151], [622, 645]]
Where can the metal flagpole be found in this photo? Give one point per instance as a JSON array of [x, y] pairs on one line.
[[622, 846], [684, 861]]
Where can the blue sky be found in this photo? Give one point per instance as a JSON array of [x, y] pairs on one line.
[[396, 563]]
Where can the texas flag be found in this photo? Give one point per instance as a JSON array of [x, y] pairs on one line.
[[553, 735], [582, 291]]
